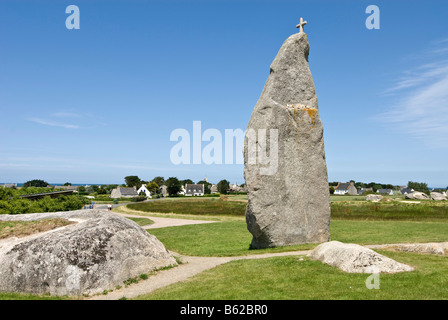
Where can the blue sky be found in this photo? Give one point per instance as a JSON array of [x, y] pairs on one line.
[[97, 104]]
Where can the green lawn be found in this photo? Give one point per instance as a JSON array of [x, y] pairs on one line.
[[298, 279], [353, 221], [231, 238], [141, 221], [196, 206], [346, 208]]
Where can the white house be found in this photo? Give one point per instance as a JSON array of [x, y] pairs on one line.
[[182, 190], [389, 192], [194, 190], [121, 192], [144, 190], [346, 187]]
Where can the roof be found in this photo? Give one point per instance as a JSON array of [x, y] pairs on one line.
[[384, 190], [198, 187], [406, 190], [342, 186], [128, 191]]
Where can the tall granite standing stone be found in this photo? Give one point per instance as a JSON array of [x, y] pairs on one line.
[[288, 201]]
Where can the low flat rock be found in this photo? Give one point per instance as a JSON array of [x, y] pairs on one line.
[[374, 197], [416, 195], [437, 196], [353, 258], [97, 253], [438, 248]]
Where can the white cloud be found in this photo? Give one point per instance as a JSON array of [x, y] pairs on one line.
[[53, 123], [421, 109], [69, 120]]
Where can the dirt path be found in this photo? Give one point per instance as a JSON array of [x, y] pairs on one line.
[[191, 266], [160, 222]]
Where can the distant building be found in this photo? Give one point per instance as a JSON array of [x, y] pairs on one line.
[[406, 191], [236, 188], [363, 190], [73, 188], [163, 190], [389, 192], [121, 192], [194, 190], [9, 185], [346, 187], [182, 190], [144, 190], [214, 189]]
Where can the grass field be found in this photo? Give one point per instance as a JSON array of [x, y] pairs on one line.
[[231, 238], [354, 220], [299, 278], [344, 207]]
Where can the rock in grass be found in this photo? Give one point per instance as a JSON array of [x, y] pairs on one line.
[[437, 196], [374, 197], [416, 195], [97, 253], [353, 258], [286, 178]]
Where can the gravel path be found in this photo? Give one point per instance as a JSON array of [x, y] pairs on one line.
[[190, 267]]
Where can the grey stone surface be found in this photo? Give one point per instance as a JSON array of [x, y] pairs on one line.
[[416, 195], [289, 205], [351, 190], [353, 258], [437, 196], [97, 253], [374, 197]]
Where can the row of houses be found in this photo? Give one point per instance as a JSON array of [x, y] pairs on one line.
[[187, 190], [349, 188]]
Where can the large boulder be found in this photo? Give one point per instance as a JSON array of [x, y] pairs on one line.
[[437, 196], [97, 253], [374, 197], [288, 195], [416, 195], [353, 258]]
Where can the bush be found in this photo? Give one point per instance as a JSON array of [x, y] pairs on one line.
[[13, 204]]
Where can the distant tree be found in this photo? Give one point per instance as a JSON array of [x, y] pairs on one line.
[[133, 181], [109, 187], [418, 186], [187, 181], [173, 186], [82, 190], [331, 190], [159, 180], [101, 190], [35, 183], [207, 186], [67, 184], [377, 187], [152, 187], [223, 186], [92, 189]]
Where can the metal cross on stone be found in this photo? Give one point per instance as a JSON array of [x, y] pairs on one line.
[[301, 24]]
